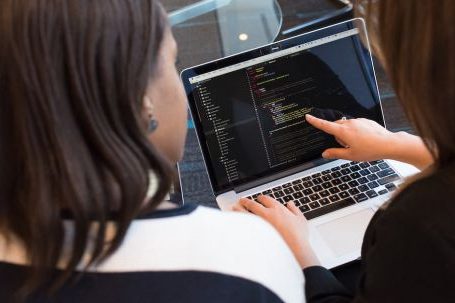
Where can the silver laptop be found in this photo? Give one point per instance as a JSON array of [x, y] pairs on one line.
[[249, 114]]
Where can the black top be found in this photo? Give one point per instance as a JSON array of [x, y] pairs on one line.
[[408, 253]]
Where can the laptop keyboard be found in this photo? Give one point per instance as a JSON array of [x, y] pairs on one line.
[[336, 188]]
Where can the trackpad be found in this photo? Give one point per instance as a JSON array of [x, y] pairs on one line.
[[345, 235]]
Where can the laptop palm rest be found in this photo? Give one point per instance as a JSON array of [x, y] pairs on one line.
[[345, 235]]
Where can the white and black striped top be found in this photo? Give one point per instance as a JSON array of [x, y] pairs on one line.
[[188, 254]]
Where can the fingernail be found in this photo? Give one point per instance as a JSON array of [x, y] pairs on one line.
[[308, 116], [326, 155]]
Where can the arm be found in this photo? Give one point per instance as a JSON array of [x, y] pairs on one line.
[[367, 141]]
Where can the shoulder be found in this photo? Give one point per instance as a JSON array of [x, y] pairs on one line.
[[209, 240]]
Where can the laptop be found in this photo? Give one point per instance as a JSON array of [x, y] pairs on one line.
[[249, 114]]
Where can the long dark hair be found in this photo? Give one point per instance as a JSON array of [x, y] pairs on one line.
[[72, 79], [416, 42]]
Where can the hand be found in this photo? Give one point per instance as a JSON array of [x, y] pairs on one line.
[[365, 140], [288, 221]]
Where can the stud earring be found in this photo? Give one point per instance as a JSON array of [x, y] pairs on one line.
[[153, 123]]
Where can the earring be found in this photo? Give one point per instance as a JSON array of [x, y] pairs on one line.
[[153, 123]]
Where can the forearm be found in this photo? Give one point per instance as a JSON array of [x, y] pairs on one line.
[[410, 149]]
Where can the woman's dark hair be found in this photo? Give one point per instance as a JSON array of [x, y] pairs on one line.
[[73, 75], [415, 40]]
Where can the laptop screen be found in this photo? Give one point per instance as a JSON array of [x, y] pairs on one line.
[[249, 109]]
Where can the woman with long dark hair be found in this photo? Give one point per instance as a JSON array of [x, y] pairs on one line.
[[408, 252], [92, 122]]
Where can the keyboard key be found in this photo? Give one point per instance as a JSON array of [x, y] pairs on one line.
[[335, 168], [296, 182], [288, 198], [308, 178], [317, 181], [345, 165], [314, 205], [255, 196], [336, 174], [327, 185], [249, 198], [344, 195], [326, 178], [355, 175], [389, 179], [278, 194], [336, 182], [373, 184], [298, 187], [334, 190], [371, 194], [345, 179], [355, 168], [353, 184], [385, 172], [365, 172], [362, 180], [372, 177], [324, 201], [360, 197], [334, 198], [376, 162], [391, 187], [316, 175], [374, 169], [307, 192], [280, 200], [277, 188], [324, 193], [383, 192], [343, 187], [297, 195], [383, 165], [267, 192], [363, 188], [314, 197], [325, 172], [288, 191], [353, 163], [329, 208], [304, 208], [317, 188], [364, 164], [286, 185], [346, 171], [305, 200], [354, 191], [307, 184]]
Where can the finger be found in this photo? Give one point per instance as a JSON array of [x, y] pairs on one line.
[[337, 153], [331, 128], [268, 202], [239, 208], [294, 209], [254, 207]]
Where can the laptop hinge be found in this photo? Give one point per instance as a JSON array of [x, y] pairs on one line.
[[288, 172]]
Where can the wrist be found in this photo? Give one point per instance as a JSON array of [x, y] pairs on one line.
[[306, 257]]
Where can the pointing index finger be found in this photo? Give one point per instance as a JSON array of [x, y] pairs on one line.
[[331, 128]]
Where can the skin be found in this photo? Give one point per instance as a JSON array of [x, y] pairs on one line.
[[165, 99], [365, 141]]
